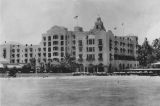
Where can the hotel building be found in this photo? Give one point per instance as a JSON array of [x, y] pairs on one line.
[[96, 49]]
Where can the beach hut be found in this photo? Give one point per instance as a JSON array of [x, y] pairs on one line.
[[11, 66]]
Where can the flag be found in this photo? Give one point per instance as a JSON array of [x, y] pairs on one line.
[[76, 17]]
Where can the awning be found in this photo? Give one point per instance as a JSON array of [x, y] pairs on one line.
[[15, 66], [158, 63]]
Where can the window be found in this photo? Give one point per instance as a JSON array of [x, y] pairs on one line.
[[4, 53], [44, 43], [62, 42], [73, 36], [55, 54], [90, 41], [62, 54], [13, 55], [55, 59], [44, 49], [26, 55], [91, 49], [49, 38], [18, 50], [80, 56], [62, 48], [44, 54], [31, 49], [18, 55], [121, 43], [49, 54], [80, 43], [74, 42], [130, 65], [62, 37], [55, 48], [44, 59], [73, 47], [80, 49], [90, 57], [99, 41], [121, 50], [110, 44], [31, 55], [13, 50], [17, 60], [44, 38], [39, 49], [100, 56], [49, 49], [26, 60], [74, 53], [55, 37], [110, 56], [128, 44], [13, 61], [39, 54], [49, 43], [26, 50], [55, 42], [100, 48]]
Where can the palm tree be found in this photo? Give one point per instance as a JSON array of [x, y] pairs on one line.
[[145, 53], [69, 62], [156, 47], [33, 63]]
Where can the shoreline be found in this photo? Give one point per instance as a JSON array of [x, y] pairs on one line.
[[132, 77]]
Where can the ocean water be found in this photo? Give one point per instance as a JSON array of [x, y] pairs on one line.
[[81, 91]]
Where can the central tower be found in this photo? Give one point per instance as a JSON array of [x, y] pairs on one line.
[[99, 25]]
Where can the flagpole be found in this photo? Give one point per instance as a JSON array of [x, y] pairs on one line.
[[123, 29], [76, 18], [77, 21]]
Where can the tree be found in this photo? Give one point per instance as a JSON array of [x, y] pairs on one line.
[[156, 47], [26, 68], [33, 63], [48, 65], [145, 53], [12, 72], [68, 62]]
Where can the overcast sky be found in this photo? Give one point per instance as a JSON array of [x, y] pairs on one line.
[[25, 20]]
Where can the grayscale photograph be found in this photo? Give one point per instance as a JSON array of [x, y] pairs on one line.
[[79, 53]]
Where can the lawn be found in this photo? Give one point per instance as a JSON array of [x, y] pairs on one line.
[[81, 91]]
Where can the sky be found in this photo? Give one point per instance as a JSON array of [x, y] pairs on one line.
[[24, 21]]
